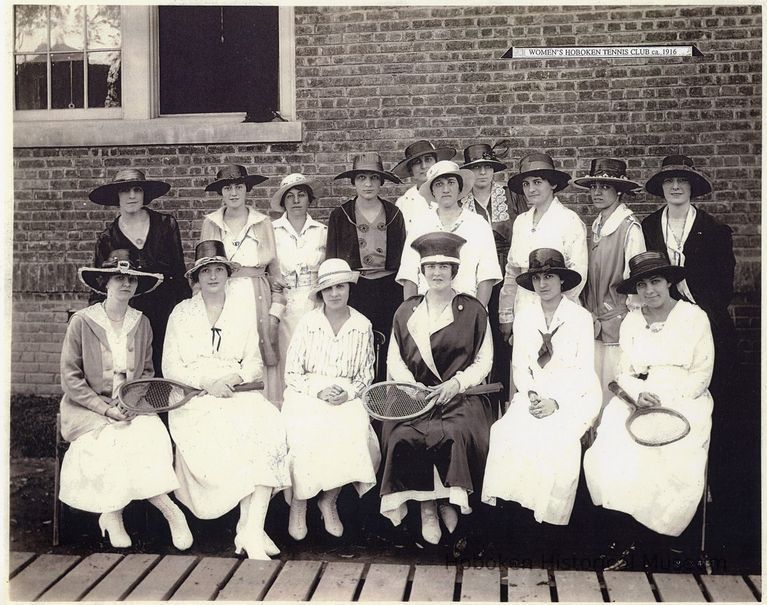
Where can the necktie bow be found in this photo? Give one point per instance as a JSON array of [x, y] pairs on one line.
[[214, 332], [547, 349]]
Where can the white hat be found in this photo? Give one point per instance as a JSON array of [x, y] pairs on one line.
[[443, 168], [331, 272], [290, 181]]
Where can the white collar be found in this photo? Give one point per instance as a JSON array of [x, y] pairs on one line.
[[284, 223], [421, 329], [613, 222], [217, 218], [97, 313], [356, 322]]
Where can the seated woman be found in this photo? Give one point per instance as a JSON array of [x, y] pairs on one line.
[[114, 458], [668, 359], [330, 361], [535, 449], [442, 340], [230, 446]]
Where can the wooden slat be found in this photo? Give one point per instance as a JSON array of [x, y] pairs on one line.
[[628, 586], [17, 560], [528, 586], [757, 582], [74, 585], [727, 589], [205, 580], [339, 582], [481, 584], [163, 580], [35, 578], [120, 581], [433, 583], [385, 582], [577, 586], [250, 582], [678, 587], [295, 581]]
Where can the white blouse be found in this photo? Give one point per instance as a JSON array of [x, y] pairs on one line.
[[118, 340], [300, 254], [412, 204]]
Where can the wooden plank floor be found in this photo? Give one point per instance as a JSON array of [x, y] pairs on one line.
[[116, 577]]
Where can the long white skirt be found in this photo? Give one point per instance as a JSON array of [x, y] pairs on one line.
[[329, 446], [106, 468], [660, 487], [535, 462], [225, 448]]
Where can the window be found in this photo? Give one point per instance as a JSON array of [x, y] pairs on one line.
[[137, 74]]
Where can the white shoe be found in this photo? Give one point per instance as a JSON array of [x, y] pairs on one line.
[[429, 524], [449, 517], [297, 520], [270, 547], [327, 505], [112, 524], [254, 547]]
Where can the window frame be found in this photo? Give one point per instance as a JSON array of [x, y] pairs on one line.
[[138, 120]]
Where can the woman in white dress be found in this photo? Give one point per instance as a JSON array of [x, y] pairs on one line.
[[668, 359], [535, 449], [249, 241], [330, 361], [230, 446], [301, 245], [114, 457]]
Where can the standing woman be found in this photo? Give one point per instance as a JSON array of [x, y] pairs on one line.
[[616, 237], [114, 457], [668, 357], [249, 241], [548, 224], [441, 340], [368, 232], [535, 449], [153, 241], [300, 242], [329, 363], [230, 446]]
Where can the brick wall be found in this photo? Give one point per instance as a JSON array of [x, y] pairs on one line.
[[379, 78]]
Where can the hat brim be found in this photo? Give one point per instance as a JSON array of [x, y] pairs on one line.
[[570, 278], [90, 276], [672, 273], [106, 195], [559, 179], [249, 180], [209, 260], [350, 174], [468, 182], [497, 166], [275, 202], [625, 185], [349, 277], [699, 184], [443, 153]]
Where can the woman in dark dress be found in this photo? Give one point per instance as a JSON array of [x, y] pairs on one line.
[[442, 340], [154, 243]]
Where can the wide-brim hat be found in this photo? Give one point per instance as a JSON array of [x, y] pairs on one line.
[[234, 173], [608, 170], [417, 150], [678, 166], [482, 153], [538, 164], [106, 195], [295, 179], [331, 272], [439, 247], [443, 168], [367, 162], [647, 264], [207, 252], [118, 262], [548, 260]]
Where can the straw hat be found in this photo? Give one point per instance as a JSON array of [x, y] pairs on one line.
[[548, 260], [292, 180], [443, 168], [647, 264], [208, 252], [331, 272], [118, 262], [106, 195], [482, 153], [608, 170]]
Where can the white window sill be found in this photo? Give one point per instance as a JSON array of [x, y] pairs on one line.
[[159, 131]]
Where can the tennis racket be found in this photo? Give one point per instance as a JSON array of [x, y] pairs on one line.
[[652, 426], [153, 395], [393, 400]]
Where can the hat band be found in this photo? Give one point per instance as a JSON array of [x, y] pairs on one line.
[[439, 258], [327, 277], [607, 175], [536, 166]]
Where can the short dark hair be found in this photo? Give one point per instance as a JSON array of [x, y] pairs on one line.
[[458, 177], [453, 267], [306, 188]]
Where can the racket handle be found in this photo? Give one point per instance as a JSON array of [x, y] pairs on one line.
[[255, 385], [480, 389], [618, 391]]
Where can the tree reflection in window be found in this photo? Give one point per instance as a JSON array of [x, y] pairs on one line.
[[67, 56]]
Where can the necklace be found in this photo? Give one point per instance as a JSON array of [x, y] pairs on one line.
[[113, 320], [669, 229]]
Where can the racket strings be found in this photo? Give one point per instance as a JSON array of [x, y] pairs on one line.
[[395, 401], [658, 427], [152, 395]]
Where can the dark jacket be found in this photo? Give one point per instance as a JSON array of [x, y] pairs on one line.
[[342, 235]]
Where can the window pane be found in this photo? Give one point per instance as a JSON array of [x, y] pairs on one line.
[[31, 29], [218, 59], [104, 27], [104, 80], [31, 82], [67, 81], [67, 28]]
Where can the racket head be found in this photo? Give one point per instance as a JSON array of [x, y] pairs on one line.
[[153, 395], [657, 426], [393, 400]]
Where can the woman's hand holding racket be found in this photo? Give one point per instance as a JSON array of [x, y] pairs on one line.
[[444, 392], [119, 415], [648, 400]]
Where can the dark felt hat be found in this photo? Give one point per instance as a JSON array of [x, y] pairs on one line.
[[482, 153], [367, 162], [118, 262], [548, 260], [207, 252], [439, 247], [608, 170], [538, 164], [417, 150], [106, 195], [678, 166], [234, 173], [647, 264]]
